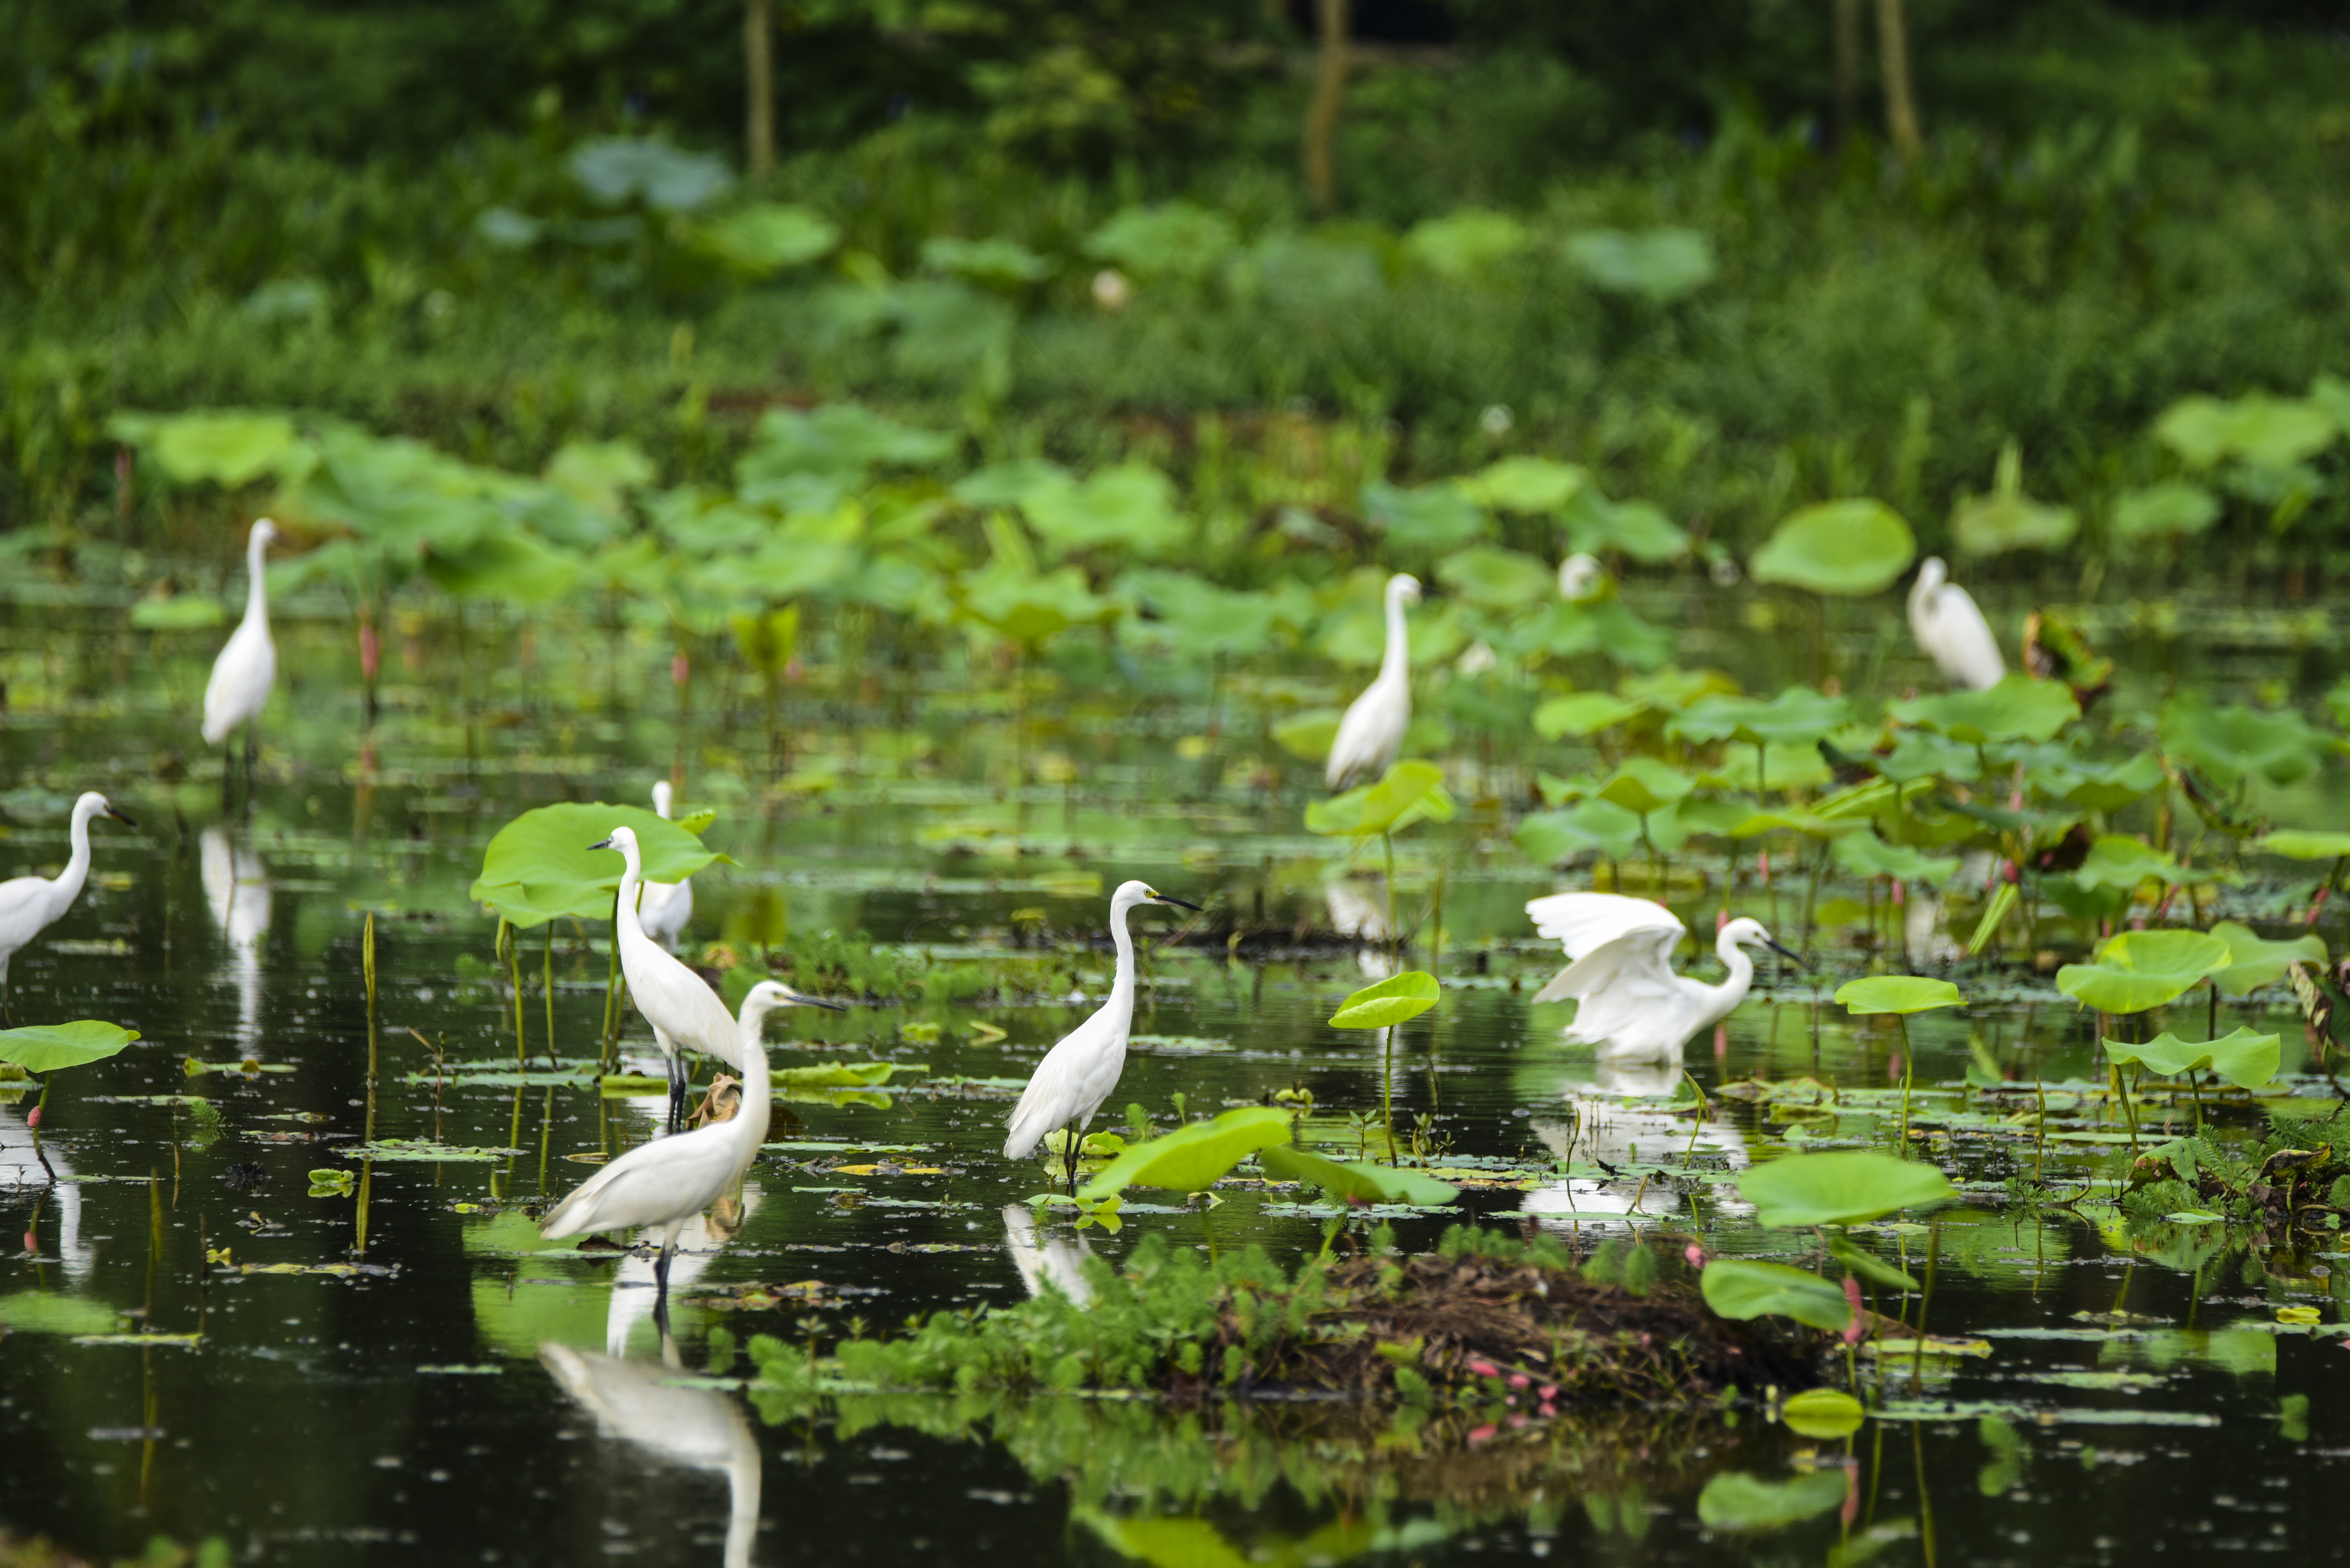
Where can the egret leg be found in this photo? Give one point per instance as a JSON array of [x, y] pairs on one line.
[[1070, 1155], [252, 749], [661, 1265], [6, 1020], [676, 1091]]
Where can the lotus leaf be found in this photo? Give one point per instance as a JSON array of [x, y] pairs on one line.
[[1432, 517], [2116, 860], [1739, 1288], [1842, 1187], [2018, 709], [2295, 844], [2253, 961], [53, 1312], [2093, 786], [1496, 578], [2172, 509], [1840, 547], [2236, 742], [2272, 431], [843, 440], [1460, 244], [1129, 507], [539, 867], [1865, 855], [2007, 519], [763, 238], [1391, 1002], [1659, 264], [619, 168], [218, 446], [1536, 485], [177, 612], [1011, 482], [1643, 785], [510, 564], [1827, 1414], [1634, 528], [1409, 792], [1173, 240], [1607, 626], [1194, 1157], [1580, 713], [1595, 826], [999, 263], [1736, 1501], [1309, 736], [2245, 1059], [1359, 1181], [47, 1047], [1901, 994], [2137, 970]]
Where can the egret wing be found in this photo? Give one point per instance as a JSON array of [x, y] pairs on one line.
[[1583, 922], [1371, 734], [1619, 981], [652, 1184], [1963, 644]]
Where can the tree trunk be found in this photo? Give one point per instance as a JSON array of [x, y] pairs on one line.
[[1329, 97], [1848, 67], [1900, 101], [759, 74]]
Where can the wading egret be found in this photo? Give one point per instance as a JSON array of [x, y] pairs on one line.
[[1951, 630], [640, 1402], [1077, 1074], [663, 907], [247, 665], [670, 1181], [1633, 1006], [685, 1013], [1371, 734], [30, 905]]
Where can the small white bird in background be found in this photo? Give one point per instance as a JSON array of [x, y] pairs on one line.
[[1951, 630], [664, 907], [640, 1402], [247, 666], [684, 1012], [1581, 577], [1371, 734], [1077, 1074], [668, 1181], [30, 905], [1633, 1006]]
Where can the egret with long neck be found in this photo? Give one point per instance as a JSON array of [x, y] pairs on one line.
[[684, 1012], [1371, 734], [247, 666], [1631, 1003], [30, 905], [1077, 1074]]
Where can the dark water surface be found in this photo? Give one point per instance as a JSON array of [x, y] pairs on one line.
[[461, 1391]]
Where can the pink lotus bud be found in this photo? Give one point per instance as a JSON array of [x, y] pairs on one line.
[[32, 1242], [1851, 1495], [1519, 1380], [1855, 1330], [1695, 1254], [1484, 1369], [33, 1118], [1481, 1433]]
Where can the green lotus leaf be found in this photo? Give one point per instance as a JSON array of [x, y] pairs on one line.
[[1391, 1002], [1659, 264], [2236, 742], [2018, 709], [1643, 785], [2172, 509], [1409, 792], [2297, 843], [2244, 1058], [46, 1048], [1842, 1187], [1738, 1288], [1194, 1157], [1596, 826], [1739, 1503], [538, 867], [1433, 517], [2137, 970], [2255, 961], [1865, 855], [1838, 547], [1496, 578], [1533, 485], [1581, 714], [1358, 1181], [1599, 526], [1902, 993]]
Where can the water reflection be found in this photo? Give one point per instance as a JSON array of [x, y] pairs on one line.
[[1358, 909], [26, 1167], [695, 1428], [635, 1289], [1606, 1132], [236, 889], [1058, 1261]]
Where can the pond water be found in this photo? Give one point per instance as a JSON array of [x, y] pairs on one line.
[[201, 1345]]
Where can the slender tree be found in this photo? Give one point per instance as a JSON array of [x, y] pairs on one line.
[[1900, 98], [1329, 97], [759, 80]]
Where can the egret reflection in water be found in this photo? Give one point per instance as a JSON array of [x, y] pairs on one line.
[[236, 889], [1605, 1131], [26, 1167], [1358, 909], [1057, 1263], [640, 1403], [636, 1288]]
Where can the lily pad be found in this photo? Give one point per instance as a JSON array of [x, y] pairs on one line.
[[2138, 970], [2244, 1058], [1828, 1414], [1409, 792], [46, 1048], [1581, 714], [1391, 1002], [1192, 1158], [1838, 547], [1842, 1187]]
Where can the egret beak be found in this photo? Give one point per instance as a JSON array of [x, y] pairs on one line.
[[1783, 953], [120, 818], [797, 999], [601, 844], [1163, 898]]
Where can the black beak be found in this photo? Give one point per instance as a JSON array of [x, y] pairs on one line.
[[1163, 898], [120, 818], [601, 844], [819, 1002], [1783, 953]]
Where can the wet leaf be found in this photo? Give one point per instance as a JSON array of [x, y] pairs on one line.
[[1192, 1159], [1869, 1266], [1738, 1501], [1742, 1288], [53, 1312], [2235, 743], [2295, 844], [1842, 1187], [2138, 970], [46, 1048], [1827, 1414], [1581, 714], [840, 1076], [1846, 548], [1865, 855], [2255, 961], [1643, 785], [1390, 1002], [1409, 791], [1896, 993], [2244, 1058], [1359, 1181]]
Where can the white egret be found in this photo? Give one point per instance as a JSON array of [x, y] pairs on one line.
[[1632, 1004], [684, 1012], [1951, 630], [670, 1181], [1057, 1264], [1581, 577], [664, 907], [30, 905], [1077, 1074], [247, 666], [640, 1402], [634, 1297], [1371, 734], [237, 888]]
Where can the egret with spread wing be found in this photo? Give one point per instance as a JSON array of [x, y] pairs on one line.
[[1950, 630], [1077, 1074], [1371, 734], [1632, 1004]]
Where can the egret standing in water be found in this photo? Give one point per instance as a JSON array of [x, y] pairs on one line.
[[1371, 734], [1077, 1074], [1633, 1006], [247, 666], [1950, 630], [30, 905], [664, 907], [670, 1181], [685, 1013]]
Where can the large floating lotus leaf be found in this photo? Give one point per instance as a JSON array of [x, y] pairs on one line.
[[1432, 517], [1865, 855], [46, 1048], [763, 238], [1741, 1288], [1534, 486], [2295, 843], [1595, 826], [1194, 1157], [1660, 264], [2007, 519], [2271, 432], [1599, 526], [1172, 240], [2245, 1059], [1643, 785], [1607, 626], [2235, 743], [1129, 507], [1580, 713], [2018, 709], [218, 446], [2255, 961], [2172, 509], [2138, 970], [839, 439], [1391, 1002], [1902, 993], [539, 867], [1201, 618], [1460, 244], [1921, 755], [1409, 792], [619, 168], [1355, 1181], [1842, 1187], [1841, 548], [1496, 578]]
